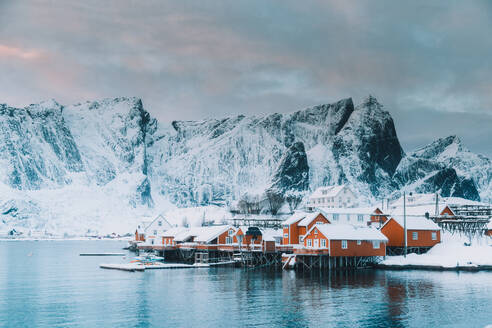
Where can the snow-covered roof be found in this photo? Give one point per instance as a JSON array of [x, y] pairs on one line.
[[202, 234], [270, 234], [349, 232], [161, 218], [309, 218], [207, 234], [173, 231], [328, 191], [142, 226], [416, 210], [297, 216], [416, 223], [417, 199]]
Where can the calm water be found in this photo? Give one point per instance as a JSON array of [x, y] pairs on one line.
[[57, 288]]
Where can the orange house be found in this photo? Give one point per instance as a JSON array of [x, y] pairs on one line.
[[169, 235], [343, 240], [226, 237], [488, 232], [139, 236], [378, 217], [447, 212], [210, 235], [299, 224], [421, 232], [240, 235]]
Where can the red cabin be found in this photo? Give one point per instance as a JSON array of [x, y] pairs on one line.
[[343, 240], [297, 226], [421, 232]]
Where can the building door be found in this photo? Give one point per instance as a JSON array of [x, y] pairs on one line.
[[316, 243]]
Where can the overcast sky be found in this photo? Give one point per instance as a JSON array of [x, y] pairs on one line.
[[428, 62]]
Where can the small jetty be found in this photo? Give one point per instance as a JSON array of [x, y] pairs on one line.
[[102, 254], [123, 267], [159, 265]]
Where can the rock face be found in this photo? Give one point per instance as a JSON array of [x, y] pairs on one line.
[[218, 160], [292, 173], [82, 166], [37, 149], [447, 167], [61, 165]]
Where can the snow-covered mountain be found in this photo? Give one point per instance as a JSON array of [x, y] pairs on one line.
[[218, 160], [460, 172], [102, 165]]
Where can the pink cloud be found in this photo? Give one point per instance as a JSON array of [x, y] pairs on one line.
[[7, 51]]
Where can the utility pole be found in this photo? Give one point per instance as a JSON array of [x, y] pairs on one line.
[[405, 223]]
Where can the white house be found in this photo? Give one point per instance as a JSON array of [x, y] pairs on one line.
[[332, 197], [154, 230]]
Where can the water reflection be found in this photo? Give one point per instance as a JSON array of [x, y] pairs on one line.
[[56, 287]]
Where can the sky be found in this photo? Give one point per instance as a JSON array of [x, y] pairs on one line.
[[428, 62]]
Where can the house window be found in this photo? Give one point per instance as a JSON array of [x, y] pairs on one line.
[[415, 235], [324, 192], [360, 217], [155, 232], [375, 244], [159, 223], [323, 242], [344, 244], [348, 217], [359, 242], [315, 231], [309, 242], [152, 241], [231, 232], [335, 217], [228, 240], [301, 239], [286, 235], [434, 236]]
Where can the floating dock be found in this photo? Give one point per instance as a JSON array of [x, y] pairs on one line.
[[102, 254], [157, 265]]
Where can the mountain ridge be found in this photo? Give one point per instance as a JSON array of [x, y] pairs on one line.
[[115, 147]]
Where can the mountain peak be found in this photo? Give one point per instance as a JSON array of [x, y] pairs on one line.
[[46, 107], [448, 146], [371, 101]]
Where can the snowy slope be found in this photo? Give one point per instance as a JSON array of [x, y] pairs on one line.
[[463, 173], [219, 160], [102, 165], [78, 169]]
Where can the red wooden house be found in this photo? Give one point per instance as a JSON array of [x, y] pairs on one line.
[[421, 232], [343, 240], [299, 224]]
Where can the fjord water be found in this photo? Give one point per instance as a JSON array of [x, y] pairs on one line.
[[47, 284]]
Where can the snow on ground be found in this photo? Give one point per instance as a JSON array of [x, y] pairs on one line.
[[77, 210], [451, 253]]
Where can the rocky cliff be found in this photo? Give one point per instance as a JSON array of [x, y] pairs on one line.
[[100, 165]]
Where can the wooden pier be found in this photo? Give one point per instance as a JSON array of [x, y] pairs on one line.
[[256, 256]]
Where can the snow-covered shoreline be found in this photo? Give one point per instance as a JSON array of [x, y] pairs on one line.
[[451, 254], [65, 239]]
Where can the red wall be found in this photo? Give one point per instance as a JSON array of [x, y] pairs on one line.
[[447, 211], [364, 249], [395, 234], [296, 231]]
